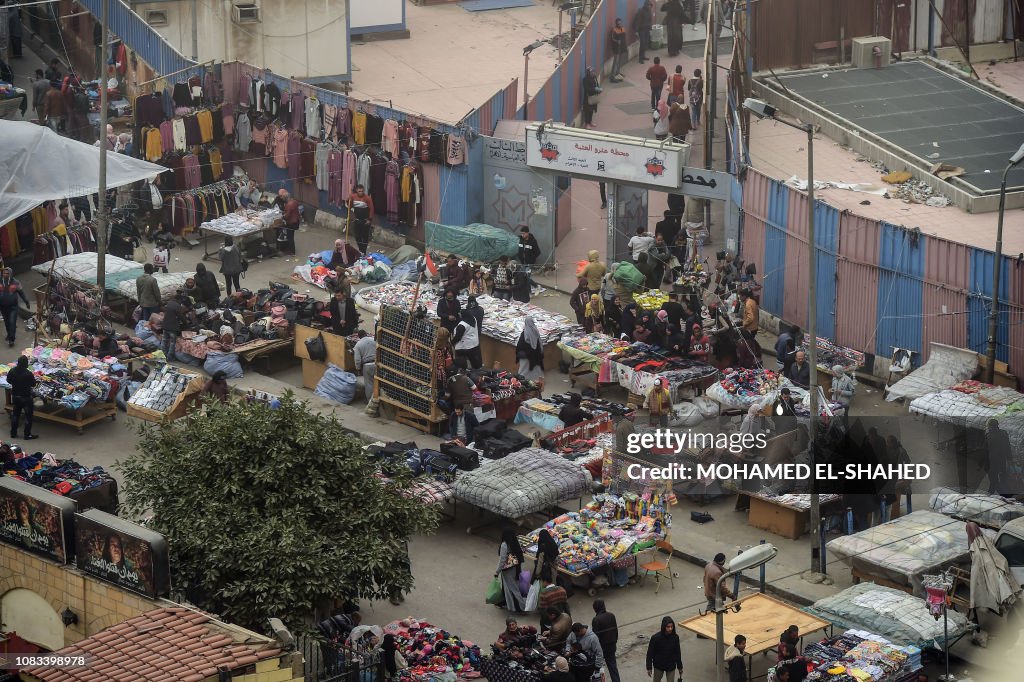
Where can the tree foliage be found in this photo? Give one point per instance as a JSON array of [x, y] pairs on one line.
[[272, 512]]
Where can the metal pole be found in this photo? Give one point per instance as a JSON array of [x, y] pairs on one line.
[[719, 630], [812, 328], [526, 85], [195, 30], [993, 316], [559, 36], [612, 193], [712, 98], [945, 638], [764, 567], [101, 204]]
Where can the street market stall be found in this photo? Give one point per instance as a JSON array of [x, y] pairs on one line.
[[991, 511], [338, 352], [90, 488], [543, 412], [433, 653], [904, 618], [166, 394], [861, 656], [787, 514], [243, 225], [760, 620], [637, 367], [946, 366], [76, 390], [503, 320], [899, 553], [741, 388], [524, 482], [829, 355]]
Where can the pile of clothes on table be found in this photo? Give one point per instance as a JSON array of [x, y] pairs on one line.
[[432, 652], [595, 344], [831, 354], [744, 387], [524, 661], [61, 477], [70, 379], [243, 222], [641, 357], [859, 656], [588, 540]]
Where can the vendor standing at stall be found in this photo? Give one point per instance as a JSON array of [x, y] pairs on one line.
[[659, 403], [360, 217], [23, 383], [843, 387], [456, 278], [344, 316], [572, 414], [443, 357], [530, 353], [467, 341], [449, 310], [364, 355], [460, 389], [502, 276], [9, 295], [578, 300]]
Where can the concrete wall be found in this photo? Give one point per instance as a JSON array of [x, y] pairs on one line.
[[302, 39]]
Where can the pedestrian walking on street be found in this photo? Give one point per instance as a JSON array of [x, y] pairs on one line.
[[735, 662], [607, 630], [664, 653], [54, 108], [696, 90], [40, 86], [22, 383], [147, 291], [230, 264], [657, 75], [675, 17], [676, 85], [510, 564], [619, 50], [10, 291], [642, 22]]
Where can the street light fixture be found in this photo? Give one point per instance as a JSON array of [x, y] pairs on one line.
[[762, 109], [758, 555], [526, 72], [993, 316]]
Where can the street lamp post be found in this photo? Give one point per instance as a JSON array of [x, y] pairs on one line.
[[571, 6], [993, 316], [526, 74], [763, 110], [758, 555]]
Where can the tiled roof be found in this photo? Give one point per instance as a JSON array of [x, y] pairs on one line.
[[173, 644]]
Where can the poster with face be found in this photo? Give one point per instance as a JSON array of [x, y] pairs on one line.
[[121, 553], [33, 522]]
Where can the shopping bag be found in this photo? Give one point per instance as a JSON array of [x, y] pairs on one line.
[[525, 577], [140, 254], [533, 597], [316, 348], [494, 592]]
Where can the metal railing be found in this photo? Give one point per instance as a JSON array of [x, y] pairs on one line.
[[331, 662], [140, 37]]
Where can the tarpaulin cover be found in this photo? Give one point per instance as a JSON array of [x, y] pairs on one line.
[[946, 366], [475, 241], [904, 550], [37, 165], [986, 510], [963, 409], [903, 618], [522, 483], [81, 267]]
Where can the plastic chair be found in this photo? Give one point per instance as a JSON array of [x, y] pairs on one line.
[[659, 565]]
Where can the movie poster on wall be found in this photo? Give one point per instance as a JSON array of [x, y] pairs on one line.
[[121, 553], [36, 520]]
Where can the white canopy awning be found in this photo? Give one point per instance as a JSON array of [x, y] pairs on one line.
[[37, 165]]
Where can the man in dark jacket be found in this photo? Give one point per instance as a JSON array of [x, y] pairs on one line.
[[344, 316], [664, 653], [578, 300], [456, 277], [607, 630], [529, 249], [22, 383], [675, 311], [10, 292], [800, 372], [462, 425], [206, 282], [642, 25], [173, 313], [652, 280], [572, 414], [449, 311]]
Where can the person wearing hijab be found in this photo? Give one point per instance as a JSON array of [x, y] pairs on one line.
[[206, 283], [561, 672], [394, 662], [612, 317], [478, 312], [510, 565], [22, 382], [343, 256], [593, 320], [547, 557], [530, 353], [628, 319]]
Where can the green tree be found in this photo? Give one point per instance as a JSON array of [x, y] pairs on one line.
[[272, 512]]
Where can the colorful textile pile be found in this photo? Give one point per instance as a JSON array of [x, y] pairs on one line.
[[830, 354], [869, 660], [59, 477], [431, 652], [70, 379], [595, 344], [588, 540], [743, 387]]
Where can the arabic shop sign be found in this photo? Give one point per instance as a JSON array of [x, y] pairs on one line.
[[508, 151], [35, 520], [120, 552], [706, 184], [603, 156]]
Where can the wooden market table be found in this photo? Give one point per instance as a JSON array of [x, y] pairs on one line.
[[761, 620], [88, 414], [492, 350], [775, 517], [338, 353]]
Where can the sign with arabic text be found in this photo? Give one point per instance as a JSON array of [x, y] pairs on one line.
[[606, 157], [509, 151], [36, 520], [120, 552], [706, 184]]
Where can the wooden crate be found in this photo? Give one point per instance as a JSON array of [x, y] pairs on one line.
[[180, 407], [338, 351]]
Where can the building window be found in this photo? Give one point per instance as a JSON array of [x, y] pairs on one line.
[[156, 17], [247, 13]]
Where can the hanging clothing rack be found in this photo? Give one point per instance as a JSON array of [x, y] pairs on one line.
[[200, 65]]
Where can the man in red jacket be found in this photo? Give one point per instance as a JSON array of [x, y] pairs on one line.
[[657, 75]]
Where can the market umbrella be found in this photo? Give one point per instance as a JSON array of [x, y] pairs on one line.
[[992, 584]]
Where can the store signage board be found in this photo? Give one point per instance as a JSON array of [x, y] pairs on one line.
[[651, 164], [125, 554], [36, 520], [706, 184]]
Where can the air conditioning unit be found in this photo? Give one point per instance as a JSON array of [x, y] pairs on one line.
[[246, 13], [156, 17], [871, 52]]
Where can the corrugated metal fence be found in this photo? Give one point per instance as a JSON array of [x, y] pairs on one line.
[[560, 98], [879, 286]]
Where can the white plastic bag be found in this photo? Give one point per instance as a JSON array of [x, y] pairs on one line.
[[707, 406], [157, 198], [685, 414], [533, 597]]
